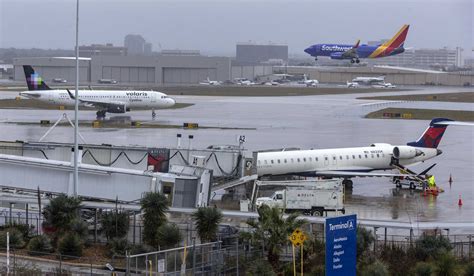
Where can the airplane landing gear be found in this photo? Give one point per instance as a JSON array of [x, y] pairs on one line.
[[347, 184], [100, 114], [153, 114], [355, 60]]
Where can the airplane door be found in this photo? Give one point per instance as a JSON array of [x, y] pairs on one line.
[[153, 97], [326, 160]]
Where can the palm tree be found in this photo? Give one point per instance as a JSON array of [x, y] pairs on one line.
[[273, 230], [207, 221], [61, 215], [154, 206]]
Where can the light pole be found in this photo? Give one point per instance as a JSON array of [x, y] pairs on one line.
[[76, 108]]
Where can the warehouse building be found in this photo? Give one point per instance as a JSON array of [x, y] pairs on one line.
[[133, 70], [253, 54]]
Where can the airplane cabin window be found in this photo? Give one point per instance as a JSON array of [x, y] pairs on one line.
[[334, 158], [366, 156], [316, 159], [360, 156], [378, 155], [372, 156], [325, 158], [353, 157], [266, 162], [284, 160], [271, 161], [304, 159], [278, 161], [347, 157], [298, 160], [340, 157]]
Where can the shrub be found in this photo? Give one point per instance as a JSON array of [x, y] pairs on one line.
[[423, 269], [16, 238], [115, 224], [168, 235], [446, 265], [469, 269], [431, 246], [377, 268], [118, 246], [70, 245], [40, 245], [260, 267]]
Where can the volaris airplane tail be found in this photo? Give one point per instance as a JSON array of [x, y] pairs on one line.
[[432, 135], [33, 80]]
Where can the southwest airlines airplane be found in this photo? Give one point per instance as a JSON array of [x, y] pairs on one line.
[[353, 52], [353, 162], [112, 101]]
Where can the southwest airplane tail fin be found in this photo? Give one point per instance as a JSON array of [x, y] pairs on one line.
[[432, 135], [399, 39], [33, 80]]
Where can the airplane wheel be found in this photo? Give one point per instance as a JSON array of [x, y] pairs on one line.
[[357, 60], [153, 114], [398, 184], [412, 186], [347, 184], [317, 213], [352, 61], [100, 114]]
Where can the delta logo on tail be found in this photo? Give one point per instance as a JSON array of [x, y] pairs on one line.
[[354, 52]]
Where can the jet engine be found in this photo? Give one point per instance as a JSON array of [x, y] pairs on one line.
[[406, 152], [117, 108], [337, 55]]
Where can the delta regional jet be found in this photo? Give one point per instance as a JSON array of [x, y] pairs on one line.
[[353, 52], [354, 162], [112, 101]]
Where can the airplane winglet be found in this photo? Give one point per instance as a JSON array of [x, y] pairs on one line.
[[357, 44], [70, 94]]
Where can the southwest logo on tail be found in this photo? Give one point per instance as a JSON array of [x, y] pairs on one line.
[[354, 52]]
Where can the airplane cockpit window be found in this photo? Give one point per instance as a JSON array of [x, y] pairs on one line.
[[279, 196]]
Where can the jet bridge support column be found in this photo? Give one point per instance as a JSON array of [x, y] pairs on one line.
[[70, 190]]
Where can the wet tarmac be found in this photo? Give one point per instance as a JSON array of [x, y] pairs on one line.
[[323, 121]]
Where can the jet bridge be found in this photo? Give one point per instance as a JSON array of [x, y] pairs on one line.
[[99, 182]]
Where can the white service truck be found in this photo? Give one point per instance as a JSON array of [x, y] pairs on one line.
[[310, 199]]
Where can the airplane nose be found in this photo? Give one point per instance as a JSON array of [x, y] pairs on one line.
[[308, 50], [171, 102], [438, 152]]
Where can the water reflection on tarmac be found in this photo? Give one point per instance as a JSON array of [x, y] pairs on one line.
[[306, 122]]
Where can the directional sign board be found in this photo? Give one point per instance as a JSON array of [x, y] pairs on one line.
[[341, 245], [298, 237]]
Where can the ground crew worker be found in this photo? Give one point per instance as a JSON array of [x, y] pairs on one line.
[[431, 181]]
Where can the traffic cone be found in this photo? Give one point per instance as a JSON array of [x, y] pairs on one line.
[[460, 201]]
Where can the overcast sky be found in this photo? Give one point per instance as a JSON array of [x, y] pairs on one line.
[[215, 26]]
